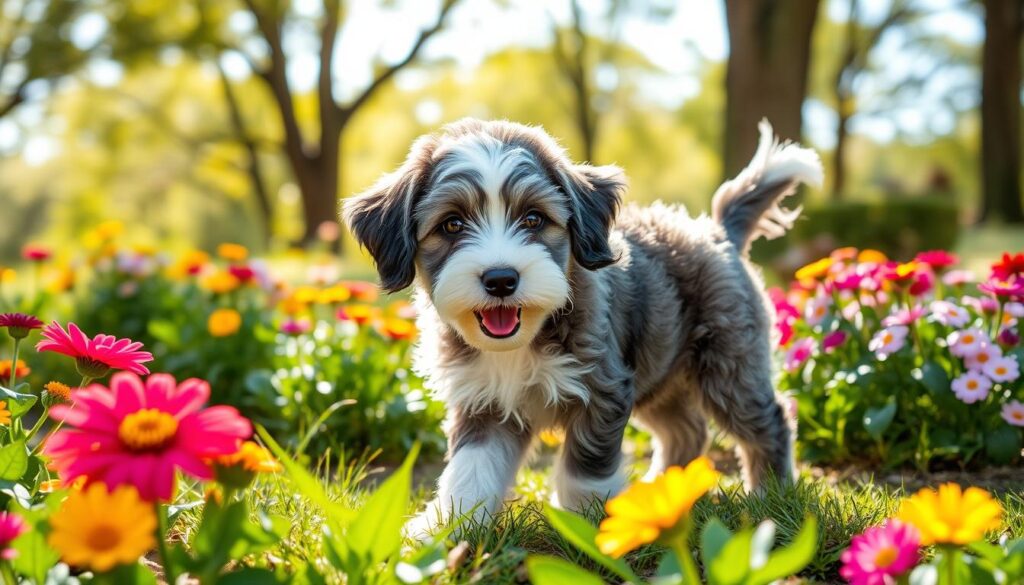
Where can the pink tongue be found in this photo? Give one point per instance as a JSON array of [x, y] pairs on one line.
[[500, 321]]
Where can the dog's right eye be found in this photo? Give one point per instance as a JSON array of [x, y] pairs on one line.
[[452, 225]]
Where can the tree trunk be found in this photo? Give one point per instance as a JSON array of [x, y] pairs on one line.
[[1000, 112], [319, 181], [839, 159], [766, 76]]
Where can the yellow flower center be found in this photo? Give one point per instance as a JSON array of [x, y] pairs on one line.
[[103, 538], [968, 339], [1017, 415], [982, 357], [887, 339], [1000, 371], [147, 429], [972, 384], [886, 557]]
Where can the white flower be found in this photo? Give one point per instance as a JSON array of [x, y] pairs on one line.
[[1014, 309], [816, 309], [1013, 413], [889, 340], [967, 341], [971, 387], [1002, 369], [984, 355], [949, 314]]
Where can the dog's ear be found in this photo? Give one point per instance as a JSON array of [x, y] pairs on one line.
[[381, 217], [595, 194]]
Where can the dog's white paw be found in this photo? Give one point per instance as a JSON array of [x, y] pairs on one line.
[[424, 525]]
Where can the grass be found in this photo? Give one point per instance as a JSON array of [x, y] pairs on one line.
[[495, 549]]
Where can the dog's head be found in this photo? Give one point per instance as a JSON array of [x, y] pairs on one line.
[[490, 218]]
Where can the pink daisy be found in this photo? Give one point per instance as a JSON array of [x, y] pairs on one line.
[[11, 527], [139, 433], [965, 342], [817, 309], [958, 277], [1013, 413], [1002, 369], [1003, 289], [971, 387], [889, 340], [296, 326], [982, 305], [19, 324], [903, 316], [97, 356], [949, 314], [880, 554], [799, 353], [983, 356]]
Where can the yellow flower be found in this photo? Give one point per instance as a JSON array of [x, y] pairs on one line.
[[951, 515], [872, 257], [8, 275], [333, 295], [292, 306], [305, 294], [224, 322], [5, 415], [640, 514], [233, 252], [221, 283], [358, 312], [398, 329], [251, 457], [58, 391], [550, 437], [63, 281], [99, 530], [815, 270]]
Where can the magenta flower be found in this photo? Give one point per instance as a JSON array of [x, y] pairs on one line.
[[904, 316], [35, 253], [833, 340], [923, 282], [880, 554], [19, 324], [11, 527], [798, 353], [1009, 337], [97, 356], [937, 259], [140, 433], [1003, 289], [849, 280], [296, 326]]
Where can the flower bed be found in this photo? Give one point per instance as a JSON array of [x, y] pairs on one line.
[[897, 364]]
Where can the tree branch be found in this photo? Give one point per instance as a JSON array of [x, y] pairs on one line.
[[330, 114], [354, 105]]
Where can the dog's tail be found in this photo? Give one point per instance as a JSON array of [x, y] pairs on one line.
[[748, 206]]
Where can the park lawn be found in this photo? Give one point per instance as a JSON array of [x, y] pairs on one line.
[[495, 549]]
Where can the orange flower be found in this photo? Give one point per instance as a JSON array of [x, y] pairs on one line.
[[360, 313], [399, 329], [233, 252], [871, 257], [21, 370], [334, 295], [815, 270], [366, 292], [221, 283]]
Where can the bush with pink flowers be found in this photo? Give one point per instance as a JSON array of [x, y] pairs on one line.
[[913, 363]]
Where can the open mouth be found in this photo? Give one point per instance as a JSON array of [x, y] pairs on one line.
[[499, 322]]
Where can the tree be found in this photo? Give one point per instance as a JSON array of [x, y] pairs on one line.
[[572, 54], [858, 41], [35, 45], [316, 162], [1000, 111], [766, 75]]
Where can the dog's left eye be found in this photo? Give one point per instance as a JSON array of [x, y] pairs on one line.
[[532, 220]]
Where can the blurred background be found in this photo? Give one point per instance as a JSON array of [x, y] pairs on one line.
[[195, 122]]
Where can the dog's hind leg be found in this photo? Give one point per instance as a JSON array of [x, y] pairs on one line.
[[678, 428]]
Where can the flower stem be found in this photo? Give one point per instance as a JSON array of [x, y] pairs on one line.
[[14, 365], [39, 424], [7, 571], [951, 557], [161, 543], [681, 547]]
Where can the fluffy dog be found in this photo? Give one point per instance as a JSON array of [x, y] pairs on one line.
[[544, 305]]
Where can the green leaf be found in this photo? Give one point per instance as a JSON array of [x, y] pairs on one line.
[[582, 535], [791, 559], [376, 533], [13, 461], [35, 557], [876, 420], [669, 567], [712, 540], [165, 331], [249, 576], [731, 565], [18, 403], [546, 570], [933, 377], [1003, 444]]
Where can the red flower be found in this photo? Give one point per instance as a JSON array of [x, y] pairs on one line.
[[1009, 266], [34, 253], [140, 434], [937, 259], [97, 356], [1000, 288], [19, 324], [241, 272]]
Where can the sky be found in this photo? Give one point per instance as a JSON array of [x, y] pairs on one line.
[[677, 44]]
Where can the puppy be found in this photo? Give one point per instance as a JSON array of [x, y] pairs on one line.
[[544, 305]]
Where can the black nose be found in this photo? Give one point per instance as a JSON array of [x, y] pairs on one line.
[[500, 282]]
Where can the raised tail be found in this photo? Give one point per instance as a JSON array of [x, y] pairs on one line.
[[749, 206]]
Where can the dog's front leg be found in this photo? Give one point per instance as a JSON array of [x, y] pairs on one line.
[[484, 454], [590, 465]]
